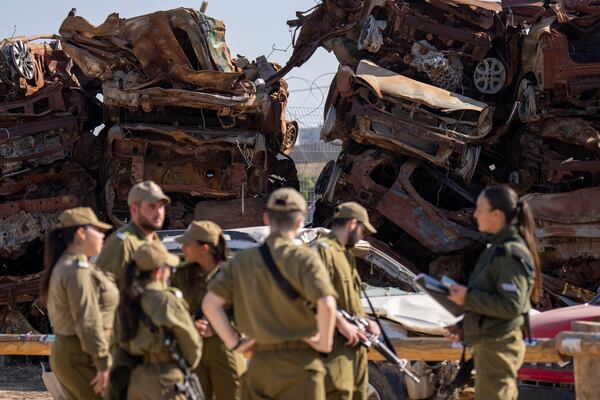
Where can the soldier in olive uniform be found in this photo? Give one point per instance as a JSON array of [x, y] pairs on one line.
[[147, 203], [149, 310], [497, 299], [272, 302], [347, 365], [220, 368], [81, 304]]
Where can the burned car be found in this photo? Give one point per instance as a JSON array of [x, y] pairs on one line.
[[433, 101], [87, 114], [46, 144], [182, 112]]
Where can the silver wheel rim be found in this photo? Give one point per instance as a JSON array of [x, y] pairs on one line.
[[22, 59], [489, 76]]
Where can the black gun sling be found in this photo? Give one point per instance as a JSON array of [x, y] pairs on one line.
[[283, 283]]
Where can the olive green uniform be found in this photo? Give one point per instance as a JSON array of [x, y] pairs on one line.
[[497, 298], [118, 249], [116, 254], [283, 366], [156, 377], [220, 368], [347, 367], [81, 307]]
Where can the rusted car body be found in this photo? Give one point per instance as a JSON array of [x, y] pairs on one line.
[[429, 101], [454, 44], [45, 129], [560, 66], [176, 108], [183, 112]]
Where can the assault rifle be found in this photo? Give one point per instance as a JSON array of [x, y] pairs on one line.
[[190, 387], [373, 340]]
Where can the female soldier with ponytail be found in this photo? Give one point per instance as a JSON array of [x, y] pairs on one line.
[[148, 311], [81, 304], [506, 277], [204, 248]]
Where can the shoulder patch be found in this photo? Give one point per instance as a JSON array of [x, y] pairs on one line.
[[123, 235], [323, 244], [82, 262], [509, 287], [176, 292]]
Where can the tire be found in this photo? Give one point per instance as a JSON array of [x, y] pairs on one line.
[[385, 383]]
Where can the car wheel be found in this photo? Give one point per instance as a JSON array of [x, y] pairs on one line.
[[383, 385]]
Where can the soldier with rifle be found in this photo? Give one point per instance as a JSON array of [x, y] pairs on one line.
[[157, 328], [347, 365]]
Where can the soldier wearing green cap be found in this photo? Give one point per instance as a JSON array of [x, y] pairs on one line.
[[220, 368], [346, 365], [147, 204], [81, 304], [279, 324], [148, 311]]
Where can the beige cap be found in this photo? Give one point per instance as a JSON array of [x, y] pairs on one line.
[[146, 191], [153, 255], [80, 216], [201, 231], [354, 210], [286, 199]]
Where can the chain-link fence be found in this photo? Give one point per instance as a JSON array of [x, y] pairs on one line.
[[310, 153]]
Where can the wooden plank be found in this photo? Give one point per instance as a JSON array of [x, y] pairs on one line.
[[439, 349], [31, 345]]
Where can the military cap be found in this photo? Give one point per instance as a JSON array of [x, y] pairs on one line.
[[201, 231], [352, 210], [286, 199], [146, 191], [153, 255], [80, 216]]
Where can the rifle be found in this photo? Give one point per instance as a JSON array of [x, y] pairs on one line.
[[374, 341], [190, 387]]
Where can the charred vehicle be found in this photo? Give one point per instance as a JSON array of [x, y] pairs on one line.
[[433, 101], [184, 113], [46, 142], [87, 114]]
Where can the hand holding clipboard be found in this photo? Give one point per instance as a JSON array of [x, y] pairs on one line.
[[439, 291]]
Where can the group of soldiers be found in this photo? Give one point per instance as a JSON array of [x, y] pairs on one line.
[[264, 324]]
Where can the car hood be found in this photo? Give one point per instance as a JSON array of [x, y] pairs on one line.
[[417, 312], [547, 324]]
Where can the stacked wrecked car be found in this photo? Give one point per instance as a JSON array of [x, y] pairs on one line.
[[181, 112], [87, 114], [434, 100]]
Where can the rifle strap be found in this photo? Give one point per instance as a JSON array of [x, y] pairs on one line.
[[527, 327], [386, 339], [283, 283]]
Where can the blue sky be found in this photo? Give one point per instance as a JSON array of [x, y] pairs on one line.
[[253, 27]]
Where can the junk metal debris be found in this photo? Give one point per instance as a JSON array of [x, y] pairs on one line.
[[87, 114], [434, 100]]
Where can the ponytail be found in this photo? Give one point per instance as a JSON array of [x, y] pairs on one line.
[[526, 224], [219, 252], [55, 244], [505, 199], [130, 306]]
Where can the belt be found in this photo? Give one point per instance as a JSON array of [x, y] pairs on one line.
[[158, 358], [292, 345]]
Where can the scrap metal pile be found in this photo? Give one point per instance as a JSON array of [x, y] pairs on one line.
[[100, 108], [435, 99]]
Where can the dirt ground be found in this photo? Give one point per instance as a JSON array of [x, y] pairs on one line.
[[22, 382]]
